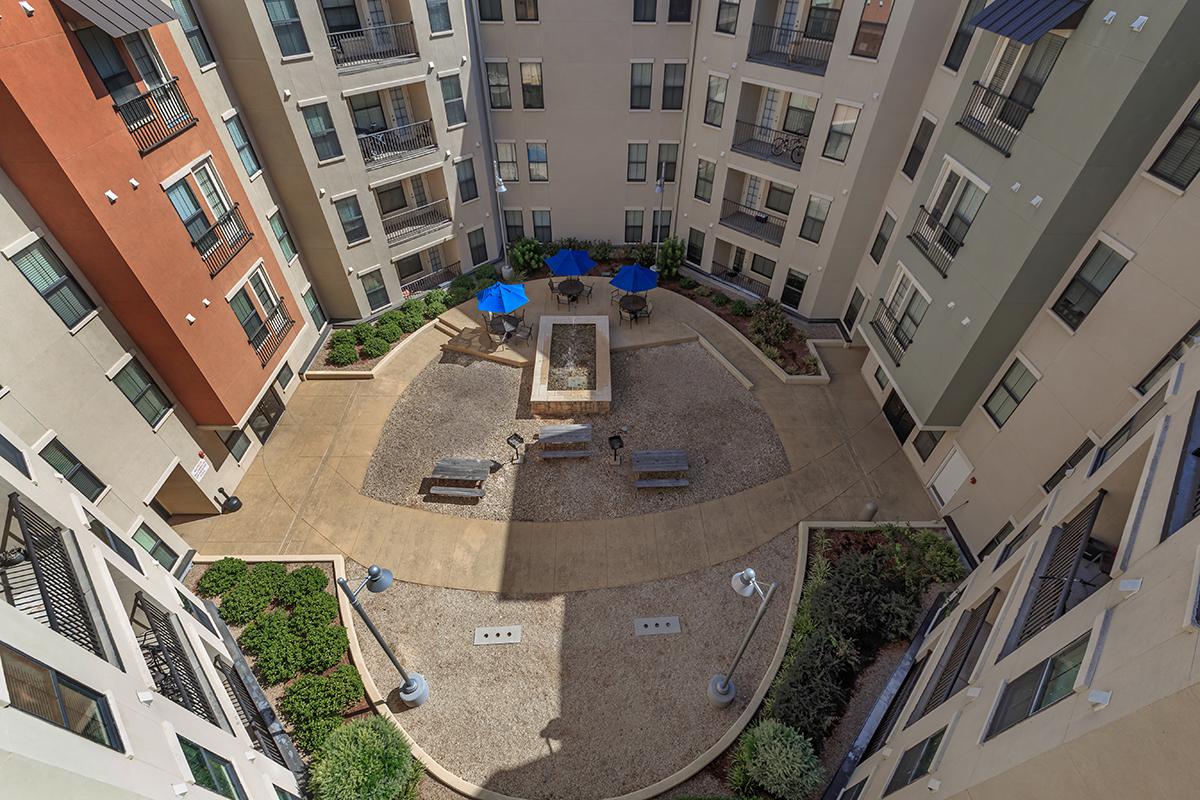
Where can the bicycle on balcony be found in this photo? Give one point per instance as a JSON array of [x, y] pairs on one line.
[[791, 144]]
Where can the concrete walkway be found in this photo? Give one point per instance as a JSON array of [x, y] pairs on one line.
[[302, 494]]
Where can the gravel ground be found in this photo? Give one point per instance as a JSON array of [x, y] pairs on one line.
[[581, 708], [673, 397]]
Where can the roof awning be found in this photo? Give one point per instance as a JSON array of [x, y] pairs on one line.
[[1026, 21], [120, 18]]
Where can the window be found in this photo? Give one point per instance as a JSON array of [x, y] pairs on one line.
[[391, 198], [886, 226], [247, 316], [50, 278], [36, 689], [851, 316], [13, 455], [1090, 283], [541, 226], [695, 246], [679, 11], [66, 464], [506, 159], [634, 218], [635, 163], [340, 15], [793, 288], [1135, 423], [490, 11], [241, 142], [109, 65], [660, 225], [854, 792], [439, 15], [641, 76], [210, 771], [408, 266], [514, 225], [285, 376], [881, 378], [1012, 389], [141, 390], [779, 198], [907, 306], [841, 131], [150, 541], [668, 157], [706, 173], [761, 265], [996, 541], [915, 763], [532, 94], [282, 235], [962, 36], [673, 81], [193, 31], [468, 188], [952, 211], [814, 218], [1172, 358], [478, 244], [499, 93], [925, 441], [314, 309], [377, 294], [1039, 688], [644, 10], [1072, 461], [916, 151], [280, 794], [350, 213], [452, 99], [526, 10], [714, 104], [236, 442], [539, 167], [288, 30], [871, 27], [727, 16], [1180, 159], [320, 128]]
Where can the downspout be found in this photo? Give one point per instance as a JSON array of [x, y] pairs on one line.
[[489, 158], [687, 106]]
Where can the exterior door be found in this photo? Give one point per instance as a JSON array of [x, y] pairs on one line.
[[896, 413], [266, 415], [851, 315], [793, 289], [950, 476]]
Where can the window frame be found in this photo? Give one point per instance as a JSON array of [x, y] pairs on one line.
[[687, 255], [641, 225], [637, 86], [1042, 669], [660, 224], [673, 90], [882, 240], [1011, 391], [510, 170], [640, 8], [373, 276], [533, 94], [631, 163], [496, 5], [468, 184], [495, 87], [454, 106], [541, 175], [236, 129], [526, 11], [362, 221], [151, 388], [78, 468], [668, 168], [508, 226], [288, 26], [64, 282], [476, 261], [963, 34], [812, 222], [159, 550], [208, 757], [320, 113], [706, 174], [282, 233], [195, 33], [924, 761], [725, 23], [773, 191], [1070, 311], [548, 227], [714, 108], [232, 442], [1190, 127], [838, 141], [58, 681], [676, 9], [918, 147], [855, 49], [438, 13]]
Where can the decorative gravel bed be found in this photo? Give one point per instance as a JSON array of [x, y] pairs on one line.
[[674, 397], [581, 708]]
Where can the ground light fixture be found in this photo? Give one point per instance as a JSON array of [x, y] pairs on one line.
[[616, 443], [414, 691], [515, 441], [230, 502], [721, 690]]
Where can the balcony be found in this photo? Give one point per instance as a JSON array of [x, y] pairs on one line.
[[271, 333], [736, 277], [368, 47], [404, 226], [994, 118], [223, 240], [261, 730], [765, 144], [935, 241], [157, 116], [423, 283], [172, 664], [894, 340], [753, 221], [800, 50], [381, 148]]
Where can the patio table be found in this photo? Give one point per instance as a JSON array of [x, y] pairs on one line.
[[503, 324], [572, 288], [633, 302]]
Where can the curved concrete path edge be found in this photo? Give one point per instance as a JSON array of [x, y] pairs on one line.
[[378, 701]]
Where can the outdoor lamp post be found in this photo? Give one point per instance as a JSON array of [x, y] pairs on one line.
[[515, 441], [616, 443], [230, 502], [721, 690], [414, 691], [660, 189], [500, 190]]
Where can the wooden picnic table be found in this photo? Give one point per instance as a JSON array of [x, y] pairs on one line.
[[552, 436], [462, 469], [660, 461]]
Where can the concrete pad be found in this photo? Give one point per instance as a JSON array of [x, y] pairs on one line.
[[580, 556], [841, 469], [874, 443], [632, 554], [900, 494], [725, 528], [680, 540]]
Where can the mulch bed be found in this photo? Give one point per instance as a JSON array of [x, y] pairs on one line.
[[321, 362]]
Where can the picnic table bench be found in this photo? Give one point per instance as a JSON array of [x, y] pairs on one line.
[[657, 462], [460, 470], [565, 441]]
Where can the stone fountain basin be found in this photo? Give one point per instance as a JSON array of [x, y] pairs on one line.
[[547, 402]]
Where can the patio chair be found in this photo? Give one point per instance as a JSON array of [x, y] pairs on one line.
[[553, 288], [622, 314], [587, 292], [523, 331], [645, 312], [616, 296], [563, 300]]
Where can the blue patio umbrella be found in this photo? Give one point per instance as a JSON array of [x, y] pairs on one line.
[[502, 298], [571, 262], [635, 278]]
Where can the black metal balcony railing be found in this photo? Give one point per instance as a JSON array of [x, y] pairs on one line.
[[223, 240], [423, 283], [404, 226], [271, 333], [252, 720], [171, 665], [791, 49], [766, 144], [935, 241], [753, 221], [740, 279], [994, 118], [397, 144], [887, 327], [374, 44], [156, 116]]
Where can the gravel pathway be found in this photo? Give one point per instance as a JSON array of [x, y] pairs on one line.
[[673, 397], [581, 708]]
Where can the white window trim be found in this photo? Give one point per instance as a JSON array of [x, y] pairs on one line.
[[183, 171], [312, 101], [245, 278], [378, 87], [334, 198]]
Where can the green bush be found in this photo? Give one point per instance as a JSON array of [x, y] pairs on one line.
[[221, 576], [302, 582], [260, 634], [769, 325], [390, 332], [409, 322], [322, 648], [278, 659], [375, 347], [244, 602], [480, 272], [314, 611], [463, 283], [866, 598], [813, 693], [363, 331], [720, 299], [313, 704], [457, 296], [772, 353], [434, 308], [312, 734], [740, 308], [344, 336], [670, 257], [774, 758], [601, 251], [341, 355], [643, 254], [687, 283], [524, 255], [926, 557], [704, 291], [367, 759]]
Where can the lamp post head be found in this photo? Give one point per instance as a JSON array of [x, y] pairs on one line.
[[744, 582], [515, 441], [231, 503], [616, 442], [378, 579]]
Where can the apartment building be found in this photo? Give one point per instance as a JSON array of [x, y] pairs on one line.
[[115, 681]]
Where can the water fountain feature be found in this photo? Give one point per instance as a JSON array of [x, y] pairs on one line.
[[571, 370]]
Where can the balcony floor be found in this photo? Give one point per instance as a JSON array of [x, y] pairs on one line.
[[747, 224], [763, 152]]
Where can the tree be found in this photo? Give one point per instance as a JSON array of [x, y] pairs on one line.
[[670, 257], [525, 255]]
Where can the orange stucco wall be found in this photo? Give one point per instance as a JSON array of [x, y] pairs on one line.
[[63, 145]]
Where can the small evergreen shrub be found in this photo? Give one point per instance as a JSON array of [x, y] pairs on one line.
[[740, 308], [720, 299], [524, 255], [341, 355], [769, 325], [643, 254], [367, 759], [687, 283], [313, 704], [479, 273], [704, 291], [363, 331], [260, 634], [375, 347], [322, 648], [813, 693], [771, 352], [313, 611], [670, 257], [390, 332], [221, 576], [601, 251], [433, 309], [311, 734], [344, 336], [774, 758], [302, 582], [278, 659], [245, 601], [410, 321]]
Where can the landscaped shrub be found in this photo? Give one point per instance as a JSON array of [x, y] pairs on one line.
[[311, 734], [720, 299], [278, 659], [314, 611], [375, 347], [867, 599], [322, 648], [243, 603], [769, 325], [704, 291], [390, 332], [670, 257], [302, 582], [774, 758], [441, 295], [260, 634], [482, 284], [525, 256], [771, 352], [925, 557], [643, 254], [601, 251], [221, 576], [409, 321], [341, 355], [434, 308], [363, 331], [813, 693], [344, 336], [367, 759], [313, 704], [687, 283], [740, 308], [479, 273]]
